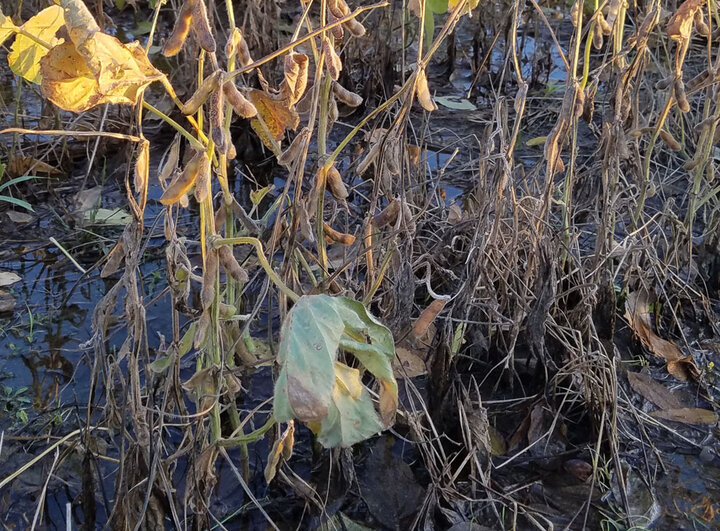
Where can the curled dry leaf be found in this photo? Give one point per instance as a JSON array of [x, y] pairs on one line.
[[423, 92], [239, 103], [177, 38], [282, 448], [332, 59], [637, 312], [275, 113], [201, 26], [295, 68], [203, 92], [114, 259]]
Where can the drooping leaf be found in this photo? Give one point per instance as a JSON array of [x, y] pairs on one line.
[[637, 312], [26, 53], [117, 73], [330, 396], [275, 113]]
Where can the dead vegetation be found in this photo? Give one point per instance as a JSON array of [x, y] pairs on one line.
[[546, 262]]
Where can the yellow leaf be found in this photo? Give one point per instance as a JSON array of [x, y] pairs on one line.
[[275, 113], [537, 141], [349, 379], [472, 4], [7, 28], [118, 73], [26, 53]]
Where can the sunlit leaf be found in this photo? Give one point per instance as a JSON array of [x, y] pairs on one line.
[[120, 74], [26, 53], [7, 28], [275, 113]]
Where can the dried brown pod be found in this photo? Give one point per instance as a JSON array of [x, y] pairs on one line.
[[665, 82], [423, 92], [240, 104], [231, 265], [217, 121], [237, 45], [705, 124], [698, 80], [333, 236], [345, 96], [226, 311], [202, 183], [670, 140], [171, 162], [392, 155], [201, 27], [333, 112], [700, 24], [407, 218], [181, 184], [201, 329], [680, 96], [338, 8], [576, 13], [175, 41], [369, 159], [388, 215], [579, 102], [142, 167], [332, 59], [295, 148], [295, 67], [316, 190], [201, 95], [640, 131], [337, 31], [589, 105], [355, 27], [207, 291], [694, 162], [604, 26], [335, 184], [232, 152], [597, 39], [220, 216]]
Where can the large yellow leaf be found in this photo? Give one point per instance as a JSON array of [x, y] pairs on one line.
[[117, 73], [7, 28], [25, 54]]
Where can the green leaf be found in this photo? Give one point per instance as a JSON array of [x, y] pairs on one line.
[[17, 202], [313, 387]]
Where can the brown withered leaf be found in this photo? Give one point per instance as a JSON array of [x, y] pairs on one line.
[[281, 449], [680, 25], [687, 415], [275, 113], [653, 391], [25, 165], [684, 369], [637, 312]]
